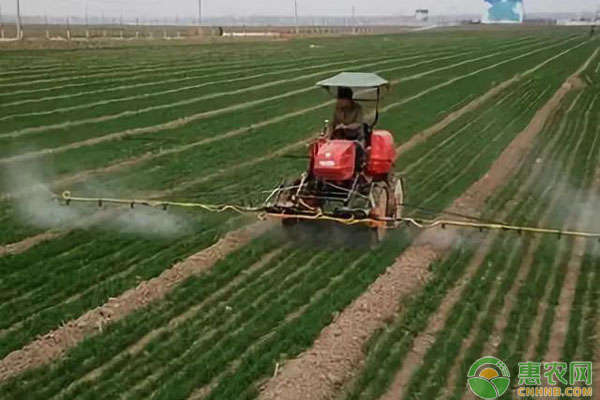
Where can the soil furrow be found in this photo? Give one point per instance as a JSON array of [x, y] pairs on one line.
[[27, 243]]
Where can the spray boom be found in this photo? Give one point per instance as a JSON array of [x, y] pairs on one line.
[[388, 223]]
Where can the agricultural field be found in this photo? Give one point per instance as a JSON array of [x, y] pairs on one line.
[[119, 303]]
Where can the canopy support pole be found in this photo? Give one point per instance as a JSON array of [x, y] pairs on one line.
[[376, 109]]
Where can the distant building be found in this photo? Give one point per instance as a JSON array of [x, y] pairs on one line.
[[503, 12], [422, 15], [579, 22]]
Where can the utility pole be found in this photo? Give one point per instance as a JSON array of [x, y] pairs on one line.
[[47, 26], [199, 12], [121, 27], [87, 26], [296, 16], [19, 28], [1, 24], [68, 27], [353, 19]]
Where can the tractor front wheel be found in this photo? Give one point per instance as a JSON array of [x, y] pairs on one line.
[[397, 184], [380, 194]]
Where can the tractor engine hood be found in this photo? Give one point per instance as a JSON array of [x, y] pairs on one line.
[[334, 160]]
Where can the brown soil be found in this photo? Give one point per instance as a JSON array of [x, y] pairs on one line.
[[319, 371], [54, 344], [28, 243]]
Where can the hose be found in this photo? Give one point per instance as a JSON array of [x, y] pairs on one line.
[[389, 223]]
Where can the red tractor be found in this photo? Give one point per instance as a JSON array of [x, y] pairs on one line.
[[347, 181]]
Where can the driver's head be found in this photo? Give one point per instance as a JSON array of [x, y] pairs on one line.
[[344, 96]]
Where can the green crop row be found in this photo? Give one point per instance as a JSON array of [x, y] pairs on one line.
[[51, 288], [168, 93], [102, 153], [283, 336], [118, 73], [276, 56], [369, 385], [521, 317], [379, 373], [149, 86], [65, 63], [191, 131], [148, 112]]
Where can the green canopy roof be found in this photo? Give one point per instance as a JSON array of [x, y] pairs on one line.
[[366, 86]]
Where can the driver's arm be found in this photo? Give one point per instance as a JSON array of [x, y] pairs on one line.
[[335, 121], [359, 118]]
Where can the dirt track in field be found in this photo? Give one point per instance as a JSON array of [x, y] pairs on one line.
[[28, 243], [319, 371], [54, 344]]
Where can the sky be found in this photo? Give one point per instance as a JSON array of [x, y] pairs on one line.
[[240, 8]]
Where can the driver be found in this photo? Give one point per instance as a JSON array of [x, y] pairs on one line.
[[348, 120]]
